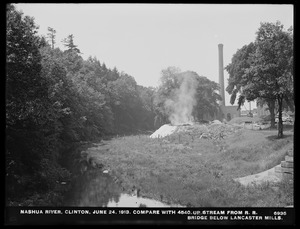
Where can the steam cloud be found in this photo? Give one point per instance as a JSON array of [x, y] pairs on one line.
[[180, 107]]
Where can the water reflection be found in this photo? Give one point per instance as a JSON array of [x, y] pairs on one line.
[[127, 200], [93, 189], [96, 189]]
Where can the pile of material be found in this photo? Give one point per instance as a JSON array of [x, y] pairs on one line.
[[164, 131], [211, 131], [220, 131], [195, 130]]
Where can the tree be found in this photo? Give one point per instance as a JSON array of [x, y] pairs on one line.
[[271, 103], [24, 83], [265, 70], [69, 43], [207, 98], [271, 72], [56, 99], [51, 36], [240, 61], [72, 61], [146, 95], [168, 82], [125, 104], [188, 92], [28, 108]]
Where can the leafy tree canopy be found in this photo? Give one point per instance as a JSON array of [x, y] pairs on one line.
[[264, 69]]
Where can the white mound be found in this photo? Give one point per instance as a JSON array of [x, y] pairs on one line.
[[163, 131]]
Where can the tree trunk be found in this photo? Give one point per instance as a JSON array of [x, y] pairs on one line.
[[280, 125], [271, 105]]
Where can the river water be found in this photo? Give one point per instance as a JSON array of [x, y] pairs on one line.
[[97, 189]]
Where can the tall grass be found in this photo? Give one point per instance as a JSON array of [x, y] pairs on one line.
[[197, 172]]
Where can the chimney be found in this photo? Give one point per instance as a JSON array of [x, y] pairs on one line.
[[221, 74]]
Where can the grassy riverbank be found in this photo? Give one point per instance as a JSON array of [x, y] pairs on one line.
[[199, 172]]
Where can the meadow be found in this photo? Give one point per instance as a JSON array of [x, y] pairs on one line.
[[199, 172]]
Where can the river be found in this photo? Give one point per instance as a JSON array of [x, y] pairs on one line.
[[97, 189]]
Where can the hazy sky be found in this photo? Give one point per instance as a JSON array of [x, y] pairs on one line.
[[143, 39]]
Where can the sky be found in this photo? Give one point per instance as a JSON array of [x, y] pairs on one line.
[[143, 39]]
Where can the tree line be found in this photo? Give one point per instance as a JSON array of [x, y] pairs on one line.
[[55, 98]]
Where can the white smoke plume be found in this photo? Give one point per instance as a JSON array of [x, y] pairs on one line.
[[180, 107]]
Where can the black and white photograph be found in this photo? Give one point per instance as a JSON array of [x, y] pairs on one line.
[[149, 113]]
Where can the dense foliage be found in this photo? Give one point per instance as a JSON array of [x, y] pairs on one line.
[[54, 99], [264, 70]]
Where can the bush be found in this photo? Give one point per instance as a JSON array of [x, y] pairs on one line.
[[51, 173]]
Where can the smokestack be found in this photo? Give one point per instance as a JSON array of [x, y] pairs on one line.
[[221, 74]]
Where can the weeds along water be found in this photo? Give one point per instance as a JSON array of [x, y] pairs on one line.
[[197, 172]]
